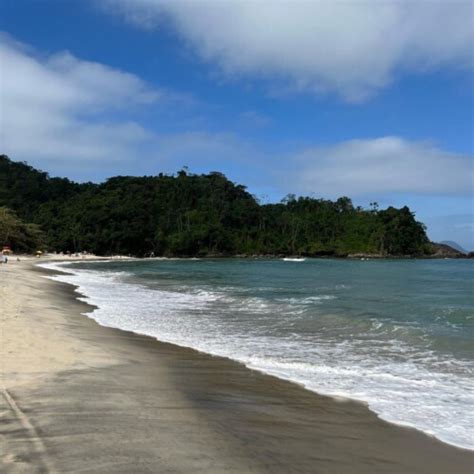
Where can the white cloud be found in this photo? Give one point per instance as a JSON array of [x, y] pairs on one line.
[[378, 167], [74, 117], [255, 119], [353, 47], [60, 109]]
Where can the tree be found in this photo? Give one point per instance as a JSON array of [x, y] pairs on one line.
[[189, 214], [16, 234]]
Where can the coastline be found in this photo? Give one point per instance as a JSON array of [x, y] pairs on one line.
[[104, 400]]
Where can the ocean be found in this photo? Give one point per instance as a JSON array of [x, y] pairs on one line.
[[395, 334]]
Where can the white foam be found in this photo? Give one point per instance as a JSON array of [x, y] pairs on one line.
[[401, 384]]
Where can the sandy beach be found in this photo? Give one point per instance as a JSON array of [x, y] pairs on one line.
[[79, 397]]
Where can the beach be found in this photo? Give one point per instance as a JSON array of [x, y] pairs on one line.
[[80, 397]]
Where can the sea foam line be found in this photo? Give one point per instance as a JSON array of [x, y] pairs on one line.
[[320, 377]]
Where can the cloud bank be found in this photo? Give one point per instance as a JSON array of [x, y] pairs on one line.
[[65, 110], [381, 166], [75, 118], [352, 48]]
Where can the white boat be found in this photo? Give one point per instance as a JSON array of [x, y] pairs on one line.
[[294, 259]]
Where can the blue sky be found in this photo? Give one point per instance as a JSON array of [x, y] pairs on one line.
[[372, 100]]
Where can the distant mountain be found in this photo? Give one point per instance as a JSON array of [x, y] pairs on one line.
[[439, 250], [454, 245]]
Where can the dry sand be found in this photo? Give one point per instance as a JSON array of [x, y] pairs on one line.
[[78, 397]]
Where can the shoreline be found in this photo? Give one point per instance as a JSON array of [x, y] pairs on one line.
[[214, 414], [336, 397], [350, 257], [398, 418]]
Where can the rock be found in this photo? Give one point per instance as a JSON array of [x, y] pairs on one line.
[[365, 255], [454, 245], [445, 251]]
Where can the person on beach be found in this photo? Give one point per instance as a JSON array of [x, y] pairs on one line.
[[4, 258]]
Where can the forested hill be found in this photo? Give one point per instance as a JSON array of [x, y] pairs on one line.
[[198, 215]]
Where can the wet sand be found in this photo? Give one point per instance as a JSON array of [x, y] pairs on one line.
[[79, 397]]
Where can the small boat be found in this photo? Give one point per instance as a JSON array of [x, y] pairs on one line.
[[294, 259]]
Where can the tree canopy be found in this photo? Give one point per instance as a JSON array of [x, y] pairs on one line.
[[18, 235], [198, 215]]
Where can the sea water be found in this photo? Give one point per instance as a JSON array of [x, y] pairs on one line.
[[396, 334]]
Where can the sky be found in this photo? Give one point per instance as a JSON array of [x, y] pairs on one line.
[[371, 99]]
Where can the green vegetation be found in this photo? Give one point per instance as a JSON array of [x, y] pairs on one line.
[[199, 215], [18, 235]]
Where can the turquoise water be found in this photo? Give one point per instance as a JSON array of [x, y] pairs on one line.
[[397, 334]]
